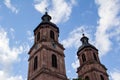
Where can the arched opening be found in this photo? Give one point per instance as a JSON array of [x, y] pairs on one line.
[[87, 78], [101, 77], [95, 56], [52, 35], [35, 63], [38, 36], [83, 57], [54, 61]]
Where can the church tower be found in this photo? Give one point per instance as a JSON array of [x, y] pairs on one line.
[[90, 65], [46, 57]]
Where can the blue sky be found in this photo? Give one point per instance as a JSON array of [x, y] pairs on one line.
[[100, 20]]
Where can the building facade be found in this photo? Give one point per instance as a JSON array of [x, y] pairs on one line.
[[90, 66], [46, 57]]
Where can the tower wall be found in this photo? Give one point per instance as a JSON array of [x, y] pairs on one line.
[[46, 57], [90, 66]]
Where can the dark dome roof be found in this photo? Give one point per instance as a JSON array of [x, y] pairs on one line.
[[85, 44], [46, 20]]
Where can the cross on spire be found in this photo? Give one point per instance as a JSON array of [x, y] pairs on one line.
[[46, 9], [82, 32]]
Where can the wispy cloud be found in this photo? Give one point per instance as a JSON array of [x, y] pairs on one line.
[[108, 29], [12, 33], [73, 40], [30, 36], [41, 5], [5, 76], [115, 75], [60, 10], [8, 56], [108, 24], [10, 6], [75, 64]]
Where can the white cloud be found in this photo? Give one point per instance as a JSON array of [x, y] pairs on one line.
[[12, 30], [108, 24], [60, 10], [73, 40], [68, 71], [30, 36], [12, 33], [9, 55], [10, 6], [115, 75], [41, 5], [5, 76], [75, 64]]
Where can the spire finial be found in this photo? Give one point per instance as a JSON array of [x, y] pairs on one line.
[[46, 17], [46, 9], [84, 39], [83, 32]]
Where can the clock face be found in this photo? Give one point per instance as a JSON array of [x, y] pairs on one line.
[[54, 45], [36, 46]]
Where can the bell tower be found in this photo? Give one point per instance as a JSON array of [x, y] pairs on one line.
[[90, 65], [46, 57]]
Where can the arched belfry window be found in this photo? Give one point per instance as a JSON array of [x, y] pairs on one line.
[[54, 61], [95, 56], [38, 36], [83, 57], [87, 78], [52, 35], [35, 63], [101, 77]]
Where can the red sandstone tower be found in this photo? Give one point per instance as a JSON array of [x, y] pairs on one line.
[[90, 65], [46, 57]]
